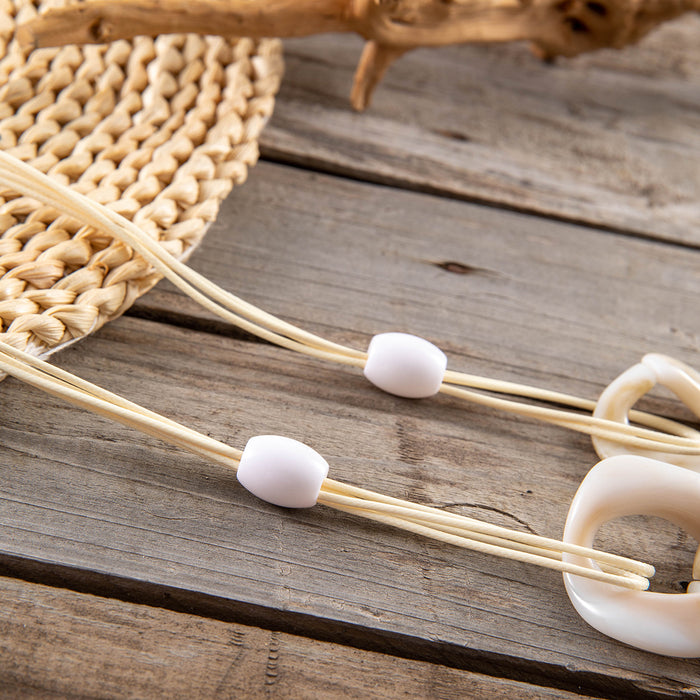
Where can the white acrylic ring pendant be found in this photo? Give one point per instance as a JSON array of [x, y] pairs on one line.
[[620, 396], [664, 623], [405, 365]]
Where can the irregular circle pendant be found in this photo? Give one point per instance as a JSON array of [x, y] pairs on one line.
[[621, 395], [664, 623]]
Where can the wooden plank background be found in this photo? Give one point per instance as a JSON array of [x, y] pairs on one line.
[[538, 223], [110, 644], [610, 139]]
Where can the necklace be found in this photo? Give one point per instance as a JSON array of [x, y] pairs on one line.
[[290, 474]]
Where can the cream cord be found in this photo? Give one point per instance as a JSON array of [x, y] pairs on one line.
[[450, 528], [667, 435]]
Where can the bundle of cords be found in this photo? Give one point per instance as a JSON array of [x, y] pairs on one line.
[[468, 533], [651, 432]]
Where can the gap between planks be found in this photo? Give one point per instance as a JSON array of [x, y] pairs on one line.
[[120, 595], [277, 156], [61, 642]]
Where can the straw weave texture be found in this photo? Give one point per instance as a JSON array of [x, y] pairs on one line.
[[157, 130]]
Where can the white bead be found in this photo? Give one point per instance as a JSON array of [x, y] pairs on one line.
[[405, 365], [664, 623], [282, 471]]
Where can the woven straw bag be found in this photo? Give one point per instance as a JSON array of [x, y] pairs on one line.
[[157, 130]]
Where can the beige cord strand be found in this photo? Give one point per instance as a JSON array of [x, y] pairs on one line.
[[422, 520], [16, 175], [502, 387], [20, 177], [630, 580], [633, 436], [360, 498], [90, 397]]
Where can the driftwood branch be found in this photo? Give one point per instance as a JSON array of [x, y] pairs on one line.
[[392, 27]]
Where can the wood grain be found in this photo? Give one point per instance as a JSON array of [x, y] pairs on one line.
[[51, 637], [610, 139], [85, 494], [505, 294]]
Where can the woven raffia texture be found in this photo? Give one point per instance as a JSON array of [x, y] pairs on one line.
[[157, 130]]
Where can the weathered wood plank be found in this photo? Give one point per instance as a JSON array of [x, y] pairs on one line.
[[555, 304], [83, 493], [610, 139], [60, 643], [561, 306]]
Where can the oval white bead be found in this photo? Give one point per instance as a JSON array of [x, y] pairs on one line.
[[663, 623], [282, 471], [405, 365]]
